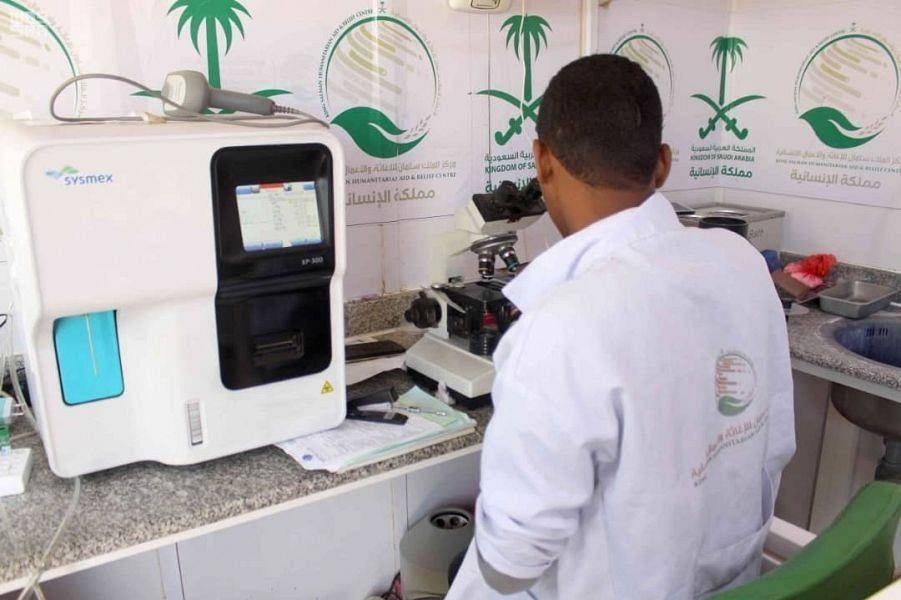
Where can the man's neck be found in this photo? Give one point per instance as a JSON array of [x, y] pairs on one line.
[[587, 205]]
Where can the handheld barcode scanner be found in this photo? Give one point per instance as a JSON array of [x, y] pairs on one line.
[[178, 287], [192, 92]]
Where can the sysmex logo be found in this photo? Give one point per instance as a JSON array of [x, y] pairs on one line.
[[71, 176]]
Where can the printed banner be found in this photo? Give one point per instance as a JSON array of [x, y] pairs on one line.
[[374, 70], [36, 54], [813, 113], [833, 90], [430, 106], [526, 51], [673, 45], [385, 80], [434, 105]]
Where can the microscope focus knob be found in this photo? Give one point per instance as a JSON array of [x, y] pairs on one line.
[[424, 312]]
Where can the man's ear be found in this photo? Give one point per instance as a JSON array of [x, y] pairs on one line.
[[664, 165], [543, 165]]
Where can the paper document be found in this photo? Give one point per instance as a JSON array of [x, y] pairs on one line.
[[331, 449], [358, 443]]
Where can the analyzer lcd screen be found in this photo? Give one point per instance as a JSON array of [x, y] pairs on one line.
[[278, 215]]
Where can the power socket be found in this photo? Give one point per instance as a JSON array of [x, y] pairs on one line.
[[15, 468]]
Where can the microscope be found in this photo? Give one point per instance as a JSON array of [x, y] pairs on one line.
[[465, 320]]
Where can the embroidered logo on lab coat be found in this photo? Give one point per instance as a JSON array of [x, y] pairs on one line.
[[736, 383]]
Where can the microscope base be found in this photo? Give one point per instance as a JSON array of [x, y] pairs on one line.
[[468, 377]]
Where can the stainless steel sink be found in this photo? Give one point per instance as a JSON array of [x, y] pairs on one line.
[[877, 415], [878, 340]]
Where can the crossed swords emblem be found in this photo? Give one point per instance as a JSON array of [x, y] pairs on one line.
[[721, 113], [528, 111]]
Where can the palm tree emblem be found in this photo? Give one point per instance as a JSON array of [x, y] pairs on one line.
[[727, 53], [527, 33], [215, 17]]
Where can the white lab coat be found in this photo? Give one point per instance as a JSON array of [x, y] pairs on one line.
[[643, 415]]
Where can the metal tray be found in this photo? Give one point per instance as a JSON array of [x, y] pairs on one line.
[[856, 299]]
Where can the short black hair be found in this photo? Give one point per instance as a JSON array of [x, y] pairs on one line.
[[601, 117]]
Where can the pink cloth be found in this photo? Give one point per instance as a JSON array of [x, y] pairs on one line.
[[813, 270]]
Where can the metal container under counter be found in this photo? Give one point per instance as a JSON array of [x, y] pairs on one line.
[[764, 224]]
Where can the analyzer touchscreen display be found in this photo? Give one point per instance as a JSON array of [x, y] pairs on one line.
[[279, 215]]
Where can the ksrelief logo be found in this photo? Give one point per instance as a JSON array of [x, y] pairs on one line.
[[735, 383], [527, 32], [651, 54], [35, 57], [727, 53], [848, 88], [70, 176], [379, 77]]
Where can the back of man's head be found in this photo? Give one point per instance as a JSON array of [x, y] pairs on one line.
[[601, 117]]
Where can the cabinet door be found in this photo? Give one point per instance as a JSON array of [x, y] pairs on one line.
[[796, 491], [341, 547], [847, 462]]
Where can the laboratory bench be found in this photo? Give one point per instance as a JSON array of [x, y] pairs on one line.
[[813, 354], [130, 510]]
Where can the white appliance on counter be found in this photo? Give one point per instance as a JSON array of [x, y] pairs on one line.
[[764, 224], [178, 287]]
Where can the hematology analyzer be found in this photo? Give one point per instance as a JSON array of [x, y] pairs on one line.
[[178, 287]]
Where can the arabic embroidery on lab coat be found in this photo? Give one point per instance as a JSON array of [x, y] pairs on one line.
[[731, 436]]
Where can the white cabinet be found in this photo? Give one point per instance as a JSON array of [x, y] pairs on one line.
[[343, 547], [796, 491], [152, 575], [340, 548], [834, 459], [336, 549], [847, 463]]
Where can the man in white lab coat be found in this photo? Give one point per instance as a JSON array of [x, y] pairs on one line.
[[643, 402]]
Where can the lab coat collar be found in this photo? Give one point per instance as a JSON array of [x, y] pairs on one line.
[[571, 256]]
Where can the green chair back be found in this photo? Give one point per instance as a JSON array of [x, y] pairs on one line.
[[851, 559]]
